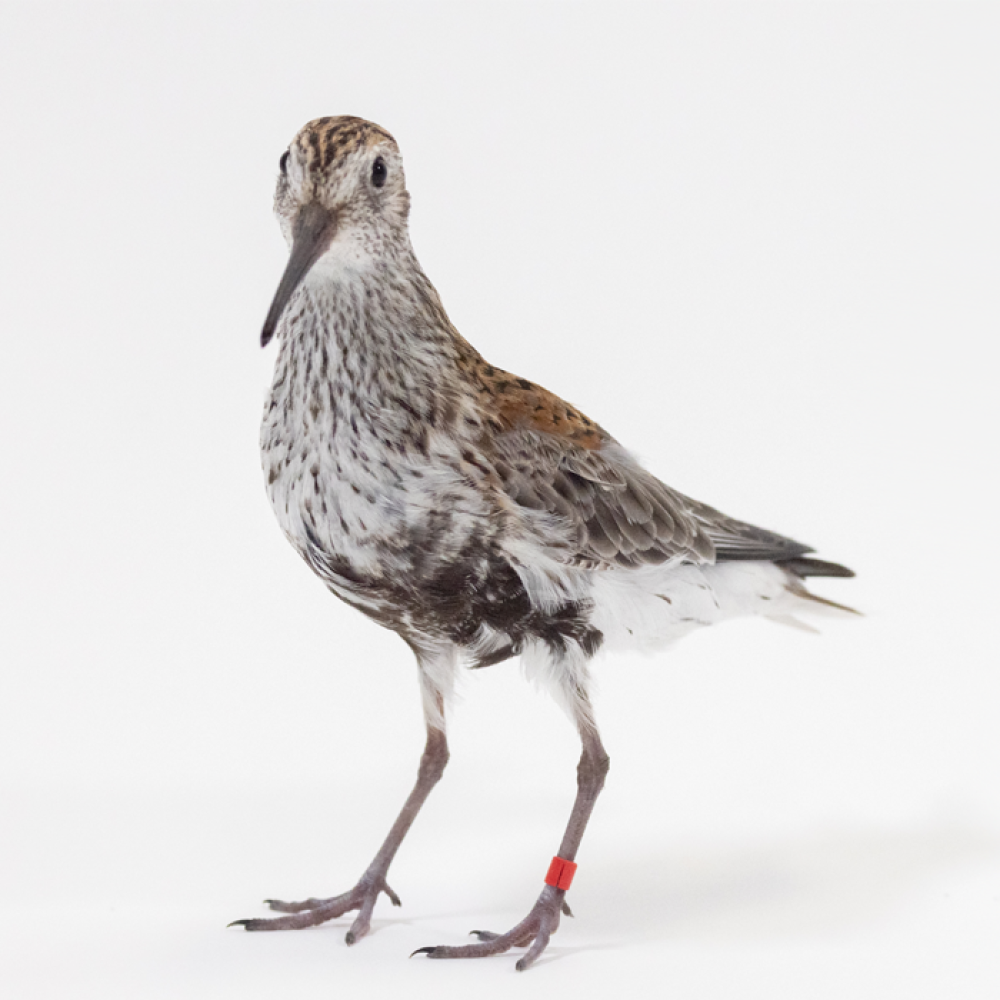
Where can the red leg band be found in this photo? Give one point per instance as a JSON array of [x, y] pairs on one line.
[[560, 873]]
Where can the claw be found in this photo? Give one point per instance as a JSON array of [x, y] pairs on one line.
[[424, 951], [485, 935], [253, 924]]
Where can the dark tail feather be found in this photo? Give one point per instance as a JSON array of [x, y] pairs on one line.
[[802, 566]]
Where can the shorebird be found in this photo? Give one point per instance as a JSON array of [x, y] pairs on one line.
[[473, 512]]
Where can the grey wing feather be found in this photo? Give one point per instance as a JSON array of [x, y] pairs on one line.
[[618, 514]]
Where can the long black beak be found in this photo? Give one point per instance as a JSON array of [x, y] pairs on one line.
[[312, 233]]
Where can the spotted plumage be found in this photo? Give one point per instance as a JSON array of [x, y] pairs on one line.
[[470, 510]]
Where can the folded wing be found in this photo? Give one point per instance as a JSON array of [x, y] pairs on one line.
[[618, 514]]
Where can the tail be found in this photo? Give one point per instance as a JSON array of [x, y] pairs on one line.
[[803, 566]]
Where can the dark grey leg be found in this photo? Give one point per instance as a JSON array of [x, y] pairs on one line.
[[310, 912], [543, 919]]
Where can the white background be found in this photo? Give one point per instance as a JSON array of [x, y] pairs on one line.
[[759, 244]]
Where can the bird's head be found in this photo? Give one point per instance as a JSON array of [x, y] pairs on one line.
[[341, 201]]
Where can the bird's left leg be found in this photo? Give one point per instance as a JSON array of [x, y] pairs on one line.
[[436, 679], [543, 919]]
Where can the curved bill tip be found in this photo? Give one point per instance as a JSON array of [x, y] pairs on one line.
[[311, 235]]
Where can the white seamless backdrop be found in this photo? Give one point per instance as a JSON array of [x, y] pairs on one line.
[[758, 243]]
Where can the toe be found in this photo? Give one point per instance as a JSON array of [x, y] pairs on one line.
[[359, 929], [537, 947], [280, 906]]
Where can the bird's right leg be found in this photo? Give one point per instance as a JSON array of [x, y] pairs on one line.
[[435, 677], [543, 918]]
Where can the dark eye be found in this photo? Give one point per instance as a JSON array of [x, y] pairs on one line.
[[283, 163], [379, 172]]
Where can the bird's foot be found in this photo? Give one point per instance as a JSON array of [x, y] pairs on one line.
[[534, 931], [310, 912]]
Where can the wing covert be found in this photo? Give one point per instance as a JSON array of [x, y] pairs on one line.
[[618, 513]]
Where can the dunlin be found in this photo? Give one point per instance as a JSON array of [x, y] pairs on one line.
[[474, 513]]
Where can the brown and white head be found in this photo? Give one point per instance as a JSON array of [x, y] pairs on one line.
[[342, 204]]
